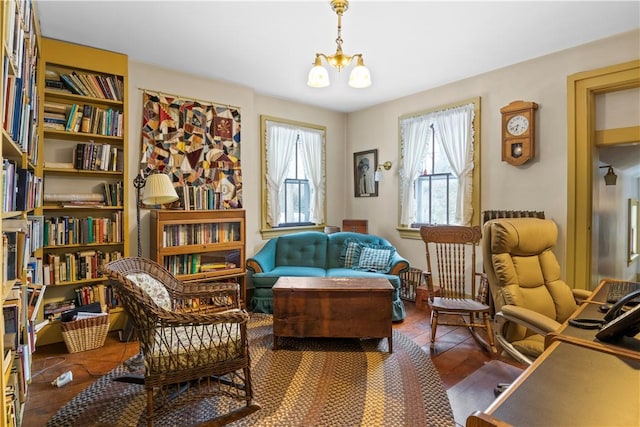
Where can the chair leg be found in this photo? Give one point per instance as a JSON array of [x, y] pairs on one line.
[[150, 408], [434, 326], [490, 338]]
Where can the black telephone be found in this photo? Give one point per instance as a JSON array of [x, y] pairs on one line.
[[619, 323]]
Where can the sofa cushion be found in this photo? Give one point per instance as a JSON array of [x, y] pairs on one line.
[[269, 278], [376, 258], [306, 249], [350, 252]]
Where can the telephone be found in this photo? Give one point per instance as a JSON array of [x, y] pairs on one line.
[[619, 323]]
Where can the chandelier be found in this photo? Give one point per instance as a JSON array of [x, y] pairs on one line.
[[319, 77]]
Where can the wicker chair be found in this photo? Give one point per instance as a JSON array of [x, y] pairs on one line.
[[193, 337]]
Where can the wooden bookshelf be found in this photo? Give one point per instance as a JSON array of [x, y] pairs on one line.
[[201, 245], [83, 146], [20, 43]]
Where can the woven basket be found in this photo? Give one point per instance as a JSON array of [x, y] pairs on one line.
[[410, 280], [85, 334]]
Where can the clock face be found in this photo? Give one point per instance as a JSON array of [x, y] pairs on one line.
[[517, 125]]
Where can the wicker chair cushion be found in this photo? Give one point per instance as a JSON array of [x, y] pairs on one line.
[[186, 347], [153, 288]]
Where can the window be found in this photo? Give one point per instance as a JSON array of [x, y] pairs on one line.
[[293, 162], [440, 166]]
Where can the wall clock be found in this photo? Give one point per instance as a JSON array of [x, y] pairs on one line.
[[518, 132]]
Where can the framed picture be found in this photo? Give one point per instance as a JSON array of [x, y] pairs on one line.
[[364, 167]]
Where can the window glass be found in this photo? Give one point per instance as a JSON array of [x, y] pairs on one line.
[[440, 166], [293, 165]]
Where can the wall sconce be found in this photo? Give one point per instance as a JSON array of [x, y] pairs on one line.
[[610, 177], [378, 175]]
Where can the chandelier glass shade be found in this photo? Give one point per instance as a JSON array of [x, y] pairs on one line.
[[319, 76]]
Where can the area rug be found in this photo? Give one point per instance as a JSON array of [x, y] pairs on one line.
[[306, 382]]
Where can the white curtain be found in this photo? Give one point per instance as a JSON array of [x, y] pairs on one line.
[[311, 149], [280, 148], [455, 127], [414, 132]]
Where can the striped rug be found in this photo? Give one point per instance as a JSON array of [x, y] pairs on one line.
[[306, 382]]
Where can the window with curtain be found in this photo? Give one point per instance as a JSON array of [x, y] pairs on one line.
[[440, 156], [293, 160]]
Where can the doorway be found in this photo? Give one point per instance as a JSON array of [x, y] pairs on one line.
[[582, 88]]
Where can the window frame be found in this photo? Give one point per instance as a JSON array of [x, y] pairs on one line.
[[405, 231], [266, 230]]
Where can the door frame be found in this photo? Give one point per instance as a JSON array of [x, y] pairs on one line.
[[582, 89]]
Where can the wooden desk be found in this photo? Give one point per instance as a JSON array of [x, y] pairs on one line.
[[332, 307], [628, 346], [570, 385], [577, 381]]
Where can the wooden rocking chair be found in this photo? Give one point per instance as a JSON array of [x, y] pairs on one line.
[[193, 337], [455, 255]]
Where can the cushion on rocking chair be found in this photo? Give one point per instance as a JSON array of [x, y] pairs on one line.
[[153, 288], [185, 347]]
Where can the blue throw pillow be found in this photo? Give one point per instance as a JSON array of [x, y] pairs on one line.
[[350, 251], [375, 258]]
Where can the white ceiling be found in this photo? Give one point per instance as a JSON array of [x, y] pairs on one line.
[[409, 46]]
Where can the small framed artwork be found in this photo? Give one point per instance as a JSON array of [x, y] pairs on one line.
[[364, 167]]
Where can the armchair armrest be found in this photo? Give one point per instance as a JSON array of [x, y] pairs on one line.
[[218, 295], [581, 294], [173, 318], [264, 259], [398, 264], [529, 319]]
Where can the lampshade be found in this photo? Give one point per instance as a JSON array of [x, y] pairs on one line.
[[318, 76], [610, 178], [360, 76], [159, 190]]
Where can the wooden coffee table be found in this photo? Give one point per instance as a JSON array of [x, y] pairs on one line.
[[332, 307]]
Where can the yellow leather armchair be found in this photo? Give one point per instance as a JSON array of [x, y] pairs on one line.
[[531, 299]]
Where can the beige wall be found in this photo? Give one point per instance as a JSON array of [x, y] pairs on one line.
[[251, 107], [540, 184]]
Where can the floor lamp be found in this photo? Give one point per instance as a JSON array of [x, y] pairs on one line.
[[158, 190]]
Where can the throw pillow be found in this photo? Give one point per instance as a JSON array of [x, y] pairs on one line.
[[153, 288], [375, 258], [350, 252]]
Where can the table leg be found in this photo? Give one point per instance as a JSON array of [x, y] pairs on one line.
[[390, 341], [275, 342]]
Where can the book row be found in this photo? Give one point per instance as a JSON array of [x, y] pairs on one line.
[[20, 97], [102, 86], [200, 234], [20, 238], [75, 266], [202, 262], [67, 230], [21, 189], [98, 157], [83, 118], [195, 198]]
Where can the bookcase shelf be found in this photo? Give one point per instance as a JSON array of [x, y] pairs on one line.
[[20, 48], [201, 245], [76, 188]]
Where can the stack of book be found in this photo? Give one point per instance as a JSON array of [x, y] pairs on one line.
[[55, 115]]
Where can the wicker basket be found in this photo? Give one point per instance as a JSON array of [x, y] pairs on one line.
[[409, 281], [85, 334]]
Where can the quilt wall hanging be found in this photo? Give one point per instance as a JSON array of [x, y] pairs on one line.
[[198, 145]]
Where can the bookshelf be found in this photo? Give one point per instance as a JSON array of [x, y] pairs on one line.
[[21, 46], [83, 144], [200, 245]]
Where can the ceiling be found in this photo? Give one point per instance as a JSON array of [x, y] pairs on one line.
[[269, 46]]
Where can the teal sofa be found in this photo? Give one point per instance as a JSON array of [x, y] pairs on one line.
[[316, 254]]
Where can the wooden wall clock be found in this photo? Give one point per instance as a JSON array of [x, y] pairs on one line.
[[518, 132]]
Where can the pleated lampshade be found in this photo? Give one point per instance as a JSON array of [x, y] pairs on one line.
[[159, 190]]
